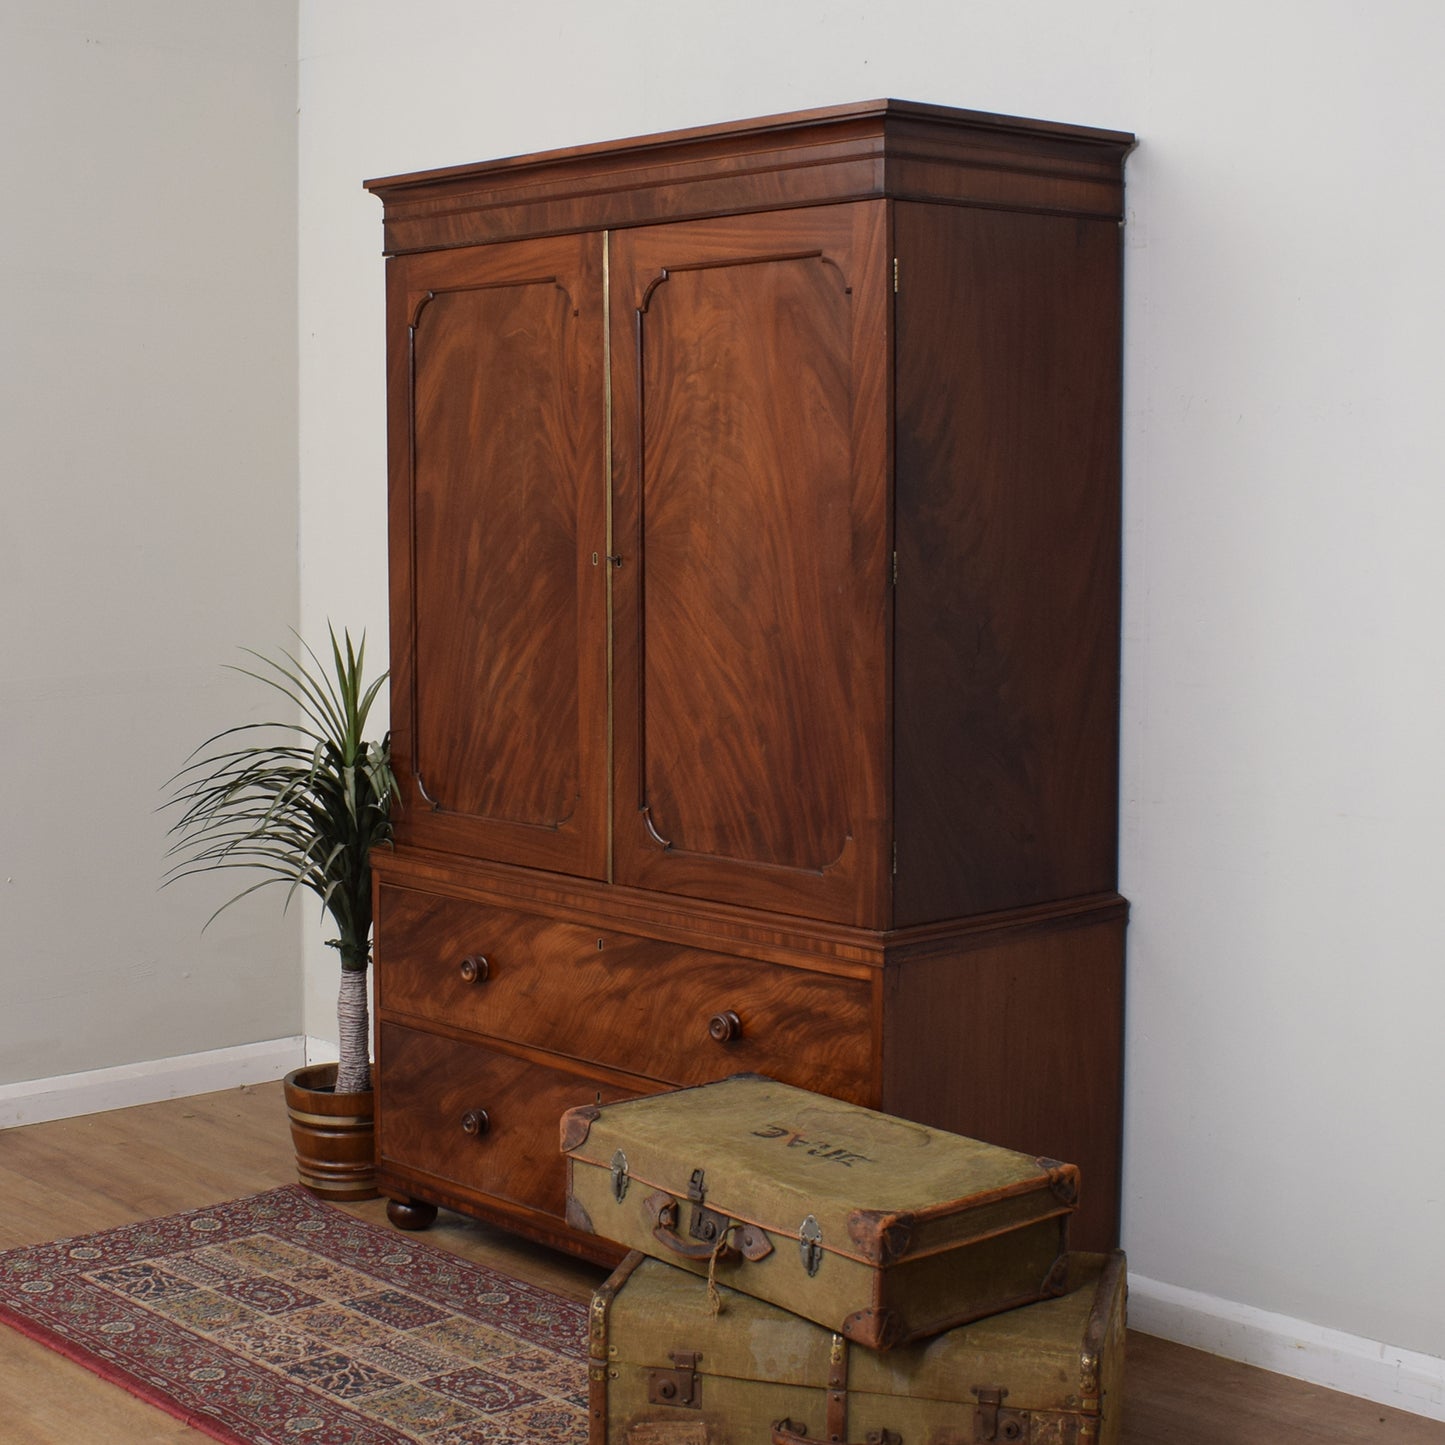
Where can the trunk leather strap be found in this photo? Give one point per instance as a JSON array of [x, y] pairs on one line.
[[837, 1415], [785, 1432]]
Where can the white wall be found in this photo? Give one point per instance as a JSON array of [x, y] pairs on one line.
[[1284, 773], [1285, 668], [148, 485]]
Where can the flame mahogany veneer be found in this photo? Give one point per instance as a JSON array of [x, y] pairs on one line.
[[754, 515]]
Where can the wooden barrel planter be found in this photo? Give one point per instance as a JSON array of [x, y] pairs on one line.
[[333, 1134]]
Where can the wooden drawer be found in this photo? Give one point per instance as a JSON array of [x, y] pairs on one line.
[[680, 1015], [483, 1121]]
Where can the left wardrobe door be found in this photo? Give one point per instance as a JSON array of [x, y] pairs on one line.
[[498, 532]]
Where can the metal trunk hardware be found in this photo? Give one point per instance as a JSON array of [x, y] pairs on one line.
[[810, 1244], [620, 1180], [992, 1422], [706, 1224], [680, 1386]]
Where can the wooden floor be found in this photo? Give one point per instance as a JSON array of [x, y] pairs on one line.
[[79, 1175]]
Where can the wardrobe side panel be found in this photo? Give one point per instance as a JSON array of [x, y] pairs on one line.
[[1006, 681], [1018, 1038]]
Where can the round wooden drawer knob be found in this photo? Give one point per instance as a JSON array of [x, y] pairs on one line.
[[475, 968], [476, 1122], [725, 1027]]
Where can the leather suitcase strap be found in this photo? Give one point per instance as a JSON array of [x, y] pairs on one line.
[[727, 1240]]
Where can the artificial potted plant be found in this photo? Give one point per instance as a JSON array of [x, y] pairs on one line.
[[303, 802]]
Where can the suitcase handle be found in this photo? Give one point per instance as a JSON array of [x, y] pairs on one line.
[[751, 1242], [785, 1432]]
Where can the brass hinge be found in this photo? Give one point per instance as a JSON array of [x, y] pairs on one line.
[[895, 569], [895, 857], [895, 275]]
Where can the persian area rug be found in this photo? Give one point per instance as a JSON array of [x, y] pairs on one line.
[[280, 1320]]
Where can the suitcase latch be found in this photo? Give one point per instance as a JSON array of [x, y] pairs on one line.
[[992, 1422], [810, 1244], [680, 1386], [706, 1224], [620, 1179]]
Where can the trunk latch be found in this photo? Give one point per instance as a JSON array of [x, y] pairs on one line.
[[810, 1244], [680, 1386], [706, 1225], [992, 1422]]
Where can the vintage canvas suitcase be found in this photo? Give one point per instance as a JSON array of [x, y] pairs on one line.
[[879, 1228], [665, 1370]]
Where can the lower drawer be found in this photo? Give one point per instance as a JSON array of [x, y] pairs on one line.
[[480, 1120]]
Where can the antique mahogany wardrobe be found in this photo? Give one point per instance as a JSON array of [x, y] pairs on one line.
[[754, 526]]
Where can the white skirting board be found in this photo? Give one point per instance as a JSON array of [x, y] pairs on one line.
[[1402, 1379], [34, 1101]]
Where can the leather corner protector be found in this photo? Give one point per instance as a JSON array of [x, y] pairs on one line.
[[882, 1236], [873, 1328], [577, 1217], [577, 1124], [1063, 1180]]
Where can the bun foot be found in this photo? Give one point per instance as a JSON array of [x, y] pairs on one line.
[[411, 1213]]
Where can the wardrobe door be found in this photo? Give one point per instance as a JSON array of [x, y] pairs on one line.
[[751, 523], [498, 535]]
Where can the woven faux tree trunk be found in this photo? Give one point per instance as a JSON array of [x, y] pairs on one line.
[[353, 1072]]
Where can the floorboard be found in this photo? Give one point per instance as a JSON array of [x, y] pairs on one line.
[[74, 1176]]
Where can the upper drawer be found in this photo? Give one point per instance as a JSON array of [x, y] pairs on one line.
[[680, 1015]]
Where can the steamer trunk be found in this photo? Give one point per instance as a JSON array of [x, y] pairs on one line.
[[879, 1228], [665, 1370]]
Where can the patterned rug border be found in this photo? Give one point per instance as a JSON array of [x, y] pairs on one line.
[[52, 1340], [453, 1282]]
